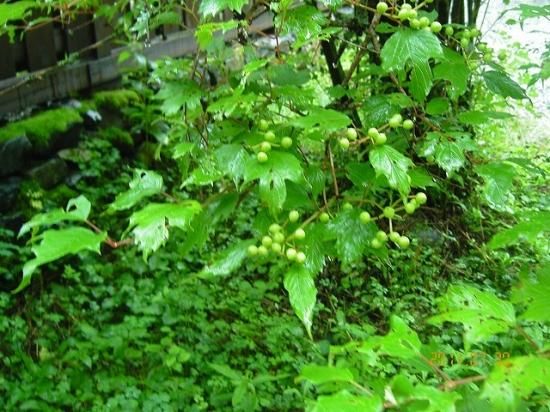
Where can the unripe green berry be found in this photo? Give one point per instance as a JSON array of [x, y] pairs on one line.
[[278, 237], [293, 216], [403, 14], [300, 234], [424, 22], [262, 251], [262, 157], [381, 236], [291, 254], [373, 132], [252, 250], [375, 243], [351, 133], [389, 212], [395, 121], [449, 31], [415, 23], [324, 217], [347, 206], [276, 247], [364, 217], [404, 242], [421, 198], [475, 32], [267, 241], [410, 207], [344, 143], [265, 147], [264, 125], [464, 42], [286, 142], [466, 34], [408, 124], [269, 136], [380, 139], [394, 236], [412, 14], [300, 257], [274, 228], [406, 6], [436, 27], [381, 7]]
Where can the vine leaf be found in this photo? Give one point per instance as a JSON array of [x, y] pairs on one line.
[[229, 260], [498, 178], [449, 156], [177, 94], [150, 224], [533, 225], [213, 7], [499, 83], [392, 164], [272, 174], [404, 392], [77, 209], [514, 379], [55, 244], [344, 401], [482, 313], [409, 46], [144, 184], [302, 294], [455, 70], [401, 342], [305, 22], [326, 119], [319, 375], [534, 292]]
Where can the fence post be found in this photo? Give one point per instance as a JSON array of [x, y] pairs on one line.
[[7, 62], [40, 47]]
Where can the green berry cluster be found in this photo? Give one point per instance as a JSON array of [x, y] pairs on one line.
[[270, 140]]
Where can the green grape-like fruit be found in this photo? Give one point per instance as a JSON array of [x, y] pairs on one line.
[[373, 132], [262, 251], [276, 247], [364, 217], [464, 42], [267, 241], [475, 32], [380, 139], [406, 6], [394, 237], [351, 133], [403, 15], [262, 157], [403, 242], [274, 228], [252, 250], [375, 243], [381, 7], [389, 212], [482, 47], [324, 217], [300, 257], [436, 27], [408, 124], [293, 216], [424, 22], [265, 147], [269, 136], [264, 125], [381, 236], [300, 234], [502, 55], [412, 14], [286, 142], [347, 206], [466, 34], [449, 31], [415, 23], [278, 237], [421, 198], [396, 121], [344, 143], [410, 208], [291, 254]]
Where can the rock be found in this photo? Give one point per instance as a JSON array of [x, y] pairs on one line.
[[50, 173], [13, 153], [9, 190], [91, 119]]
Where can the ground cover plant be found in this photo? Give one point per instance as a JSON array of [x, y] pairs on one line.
[[313, 224]]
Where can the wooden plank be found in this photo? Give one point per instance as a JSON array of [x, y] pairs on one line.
[[102, 30], [7, 61], [40, 47], [79, 34]]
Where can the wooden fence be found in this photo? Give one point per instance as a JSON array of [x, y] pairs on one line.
[[42, 48]]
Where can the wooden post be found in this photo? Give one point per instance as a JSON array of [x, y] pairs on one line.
[[7, 62], [79, 34], [40, 47]]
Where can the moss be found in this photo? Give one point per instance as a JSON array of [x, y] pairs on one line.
[[119, 138], [115, 99], [40, 128]]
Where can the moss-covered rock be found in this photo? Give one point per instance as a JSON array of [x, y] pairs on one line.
[[41, 128], [115, 99], [119, 138]]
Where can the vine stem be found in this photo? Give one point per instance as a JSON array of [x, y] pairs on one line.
[[333, 171], [529, 339]]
